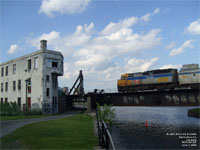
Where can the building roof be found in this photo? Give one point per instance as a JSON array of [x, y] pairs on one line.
[[30, 55]]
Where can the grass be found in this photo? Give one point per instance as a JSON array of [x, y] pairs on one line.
[[194, 112], [21, 117], [75, 132]]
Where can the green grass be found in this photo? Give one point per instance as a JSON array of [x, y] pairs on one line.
[[194, 112], [20, 117], [75, 132]]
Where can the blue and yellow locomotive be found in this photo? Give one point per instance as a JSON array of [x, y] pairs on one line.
[[188, 77]]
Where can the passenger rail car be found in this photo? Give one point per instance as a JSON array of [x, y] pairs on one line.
[[189, 76]]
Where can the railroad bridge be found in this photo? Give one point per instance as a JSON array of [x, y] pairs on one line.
[[147, 98], [178, 97]]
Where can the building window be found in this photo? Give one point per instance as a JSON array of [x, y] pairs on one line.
[[55, 101], [47, 78], [47, 94], [14, 85], [48, 62], [24, 107], [36, 62], [29, 64], [1, 87], [54, 64], [6, 70], [54, 82], [2, 71], [6, 86], [29, 89], [29, 102], [19, 84], [14, 68], [19, 102], [61, 66], [6, 100], [1, 100]]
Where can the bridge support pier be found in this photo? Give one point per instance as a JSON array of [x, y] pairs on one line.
[[89, 104]]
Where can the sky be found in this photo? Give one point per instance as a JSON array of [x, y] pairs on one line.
[[104, 38]]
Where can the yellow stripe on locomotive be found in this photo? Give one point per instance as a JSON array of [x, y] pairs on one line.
[[162, 79]]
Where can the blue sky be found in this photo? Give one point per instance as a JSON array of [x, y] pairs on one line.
[[103, 38]]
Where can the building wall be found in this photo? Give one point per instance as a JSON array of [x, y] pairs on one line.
[[51, 82], [43, 63]]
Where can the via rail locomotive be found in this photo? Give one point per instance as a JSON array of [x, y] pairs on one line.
[[161, 79]]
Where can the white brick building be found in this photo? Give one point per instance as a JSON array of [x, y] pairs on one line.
[[42, 69]]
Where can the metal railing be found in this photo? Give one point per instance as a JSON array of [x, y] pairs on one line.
[[105, 138]]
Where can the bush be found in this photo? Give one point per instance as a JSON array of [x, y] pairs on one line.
[[35, 112], [106, 113], [9, 109], [12, 109]]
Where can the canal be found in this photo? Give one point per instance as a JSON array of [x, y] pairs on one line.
[[155, 128]]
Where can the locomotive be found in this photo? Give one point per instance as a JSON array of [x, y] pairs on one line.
[[161, 79]]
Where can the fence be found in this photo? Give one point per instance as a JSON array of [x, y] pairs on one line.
[[105, 139]]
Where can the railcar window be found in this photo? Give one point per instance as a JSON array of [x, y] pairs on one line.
[[194, 75]]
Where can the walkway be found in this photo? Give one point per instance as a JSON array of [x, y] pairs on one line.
[[9, 126]]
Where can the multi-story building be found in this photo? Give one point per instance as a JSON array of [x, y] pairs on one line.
[[32, 80]]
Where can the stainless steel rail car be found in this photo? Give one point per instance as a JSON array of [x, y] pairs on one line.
[[189, 76]]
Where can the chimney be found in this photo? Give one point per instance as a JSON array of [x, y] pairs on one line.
[[43, 45]]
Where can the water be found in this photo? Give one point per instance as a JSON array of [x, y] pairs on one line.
[[167, 128]]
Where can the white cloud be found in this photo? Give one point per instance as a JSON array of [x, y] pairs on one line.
[[187, 44], [52, 38], [139, 65], [112, 27], [13, 49], [171, 66], [49, 7], [171, 45], [194, 27], [97, 53], [156, 11], [147, 17]]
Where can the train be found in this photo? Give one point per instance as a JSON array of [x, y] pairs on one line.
[[188, 77]]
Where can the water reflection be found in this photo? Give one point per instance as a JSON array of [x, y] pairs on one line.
[[129, 131]]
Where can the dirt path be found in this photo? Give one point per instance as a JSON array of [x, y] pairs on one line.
[[9, 126]]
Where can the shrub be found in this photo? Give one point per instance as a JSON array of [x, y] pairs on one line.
[[35, 112], [106, 113], [6, 109], [12, 109]]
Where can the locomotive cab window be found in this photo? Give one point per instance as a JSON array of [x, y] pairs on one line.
[[194, 75]]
